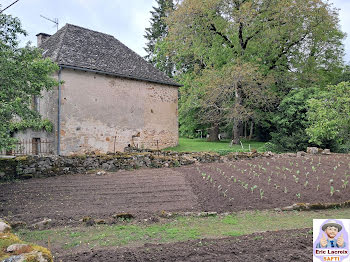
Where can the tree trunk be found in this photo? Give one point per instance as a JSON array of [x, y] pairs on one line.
[[213, 133], [236, 133], [237, 122], [251, 130], [245, 129]]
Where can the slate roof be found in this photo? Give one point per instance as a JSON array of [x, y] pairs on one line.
[[82, 48]]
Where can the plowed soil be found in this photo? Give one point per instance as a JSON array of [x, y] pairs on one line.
[[289, 245], [66, 199], [221, 187]]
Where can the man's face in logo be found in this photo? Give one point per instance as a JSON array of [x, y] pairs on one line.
[[331, 232]]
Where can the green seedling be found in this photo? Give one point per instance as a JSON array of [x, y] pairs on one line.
[[269, 180], [285, 190], [261, 193], [253, 187], [345, 183], [296, 179], [298, 195]]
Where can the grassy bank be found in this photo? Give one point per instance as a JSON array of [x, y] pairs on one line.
[[176, 229]]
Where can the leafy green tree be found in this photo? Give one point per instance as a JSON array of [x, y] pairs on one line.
[[155, 35], [284, 41], [343, 76], [290, 121], [23, 74], [329, 117]]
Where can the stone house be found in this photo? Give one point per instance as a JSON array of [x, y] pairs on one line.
[[109, 98]]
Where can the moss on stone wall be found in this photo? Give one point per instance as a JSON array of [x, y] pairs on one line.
[[35, 166], [30, 252]]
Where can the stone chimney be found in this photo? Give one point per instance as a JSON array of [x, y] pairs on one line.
[[41, 38]]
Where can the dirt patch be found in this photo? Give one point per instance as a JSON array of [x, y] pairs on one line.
[[222, 187], [289, 245], [67, 199], [238, 185]]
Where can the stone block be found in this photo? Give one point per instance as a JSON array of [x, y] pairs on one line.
[[4, 228], [301, 153], [326, 152], [312, 150], [18, 248]]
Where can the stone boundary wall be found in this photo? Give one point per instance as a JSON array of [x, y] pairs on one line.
[[34, 166]]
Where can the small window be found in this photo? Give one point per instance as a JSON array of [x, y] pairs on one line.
[[35, 103]]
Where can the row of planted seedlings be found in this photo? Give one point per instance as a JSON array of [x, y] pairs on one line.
[[291, 178], [297, 176], [230, 186]]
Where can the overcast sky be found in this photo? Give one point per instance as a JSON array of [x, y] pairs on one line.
[[126, 20]]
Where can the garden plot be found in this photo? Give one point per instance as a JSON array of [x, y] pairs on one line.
[[271, 183], [263, 183], [67, 199]]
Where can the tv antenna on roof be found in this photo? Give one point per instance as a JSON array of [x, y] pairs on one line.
[[55, 20], [8, 6]]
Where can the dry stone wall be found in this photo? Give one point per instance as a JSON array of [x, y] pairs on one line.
[[35, 166]]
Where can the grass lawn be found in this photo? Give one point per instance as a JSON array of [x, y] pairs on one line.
[[222, 147], [178, 229]]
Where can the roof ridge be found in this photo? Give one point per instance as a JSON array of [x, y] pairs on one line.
[[67, 24]]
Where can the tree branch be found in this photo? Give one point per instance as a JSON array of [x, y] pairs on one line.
[[286, 49], [240, 35], [213, 28]]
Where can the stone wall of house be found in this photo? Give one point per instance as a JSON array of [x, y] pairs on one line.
[[27, 147], [103, 113], [47, 107], [35, 166]]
